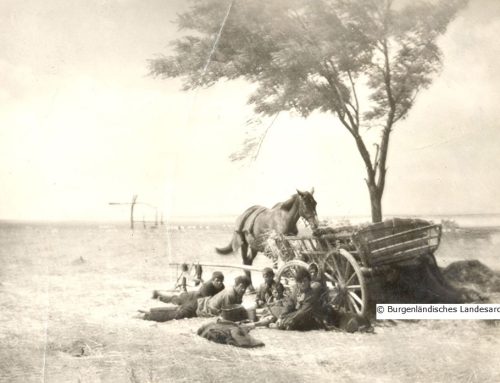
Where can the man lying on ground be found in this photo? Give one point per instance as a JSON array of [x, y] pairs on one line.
[[203, 307], [207, 289], [212, 306]]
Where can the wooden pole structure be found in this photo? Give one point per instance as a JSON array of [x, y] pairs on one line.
[[134, 200], [132, 205], [225, 265]]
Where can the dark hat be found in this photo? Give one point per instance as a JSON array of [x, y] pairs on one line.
[[268, 271], [218, 275]]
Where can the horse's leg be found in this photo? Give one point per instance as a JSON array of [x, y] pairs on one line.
[[244, 257], [253, 254], [247, 260]]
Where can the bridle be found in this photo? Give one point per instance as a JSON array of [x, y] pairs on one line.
[[305, 214]]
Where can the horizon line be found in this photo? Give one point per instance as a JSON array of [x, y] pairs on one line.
[[212, 216]]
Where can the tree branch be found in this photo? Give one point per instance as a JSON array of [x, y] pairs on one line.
[[365, 155], [353, 87], [375, 160], [333, 84]]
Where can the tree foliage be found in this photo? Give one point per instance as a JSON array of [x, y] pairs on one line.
[[318, 55]]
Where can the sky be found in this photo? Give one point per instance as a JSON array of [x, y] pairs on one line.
[[82, 124]]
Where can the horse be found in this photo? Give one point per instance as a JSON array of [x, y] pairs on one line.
[[257, 222]]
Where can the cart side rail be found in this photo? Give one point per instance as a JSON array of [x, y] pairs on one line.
[[287, 248], [405, 240]]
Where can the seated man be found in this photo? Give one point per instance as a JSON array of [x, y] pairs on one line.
[[274, 307], [207, 289], [317, 279], [194, 306], [264, 293], [318, 285], [303, 310], [278, 291]]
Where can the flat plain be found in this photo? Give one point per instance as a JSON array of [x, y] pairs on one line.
[[70, 292]]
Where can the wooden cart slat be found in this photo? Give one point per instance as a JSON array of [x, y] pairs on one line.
[[403, 255], [401, 246], [401, 260], [403, 233]]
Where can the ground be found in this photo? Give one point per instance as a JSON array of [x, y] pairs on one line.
[[69, 295]]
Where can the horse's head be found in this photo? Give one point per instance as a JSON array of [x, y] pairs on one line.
[[307, 207]]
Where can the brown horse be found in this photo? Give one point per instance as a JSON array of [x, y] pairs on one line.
[[256, 223]]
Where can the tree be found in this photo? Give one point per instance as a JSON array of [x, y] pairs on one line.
[[364, 61]]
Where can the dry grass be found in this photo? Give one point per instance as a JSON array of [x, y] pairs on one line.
[[69, 298]]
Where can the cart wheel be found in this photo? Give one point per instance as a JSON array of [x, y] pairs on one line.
[[343, 271], [286, 275]]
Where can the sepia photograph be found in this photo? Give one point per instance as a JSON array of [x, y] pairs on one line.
[[249, 191]]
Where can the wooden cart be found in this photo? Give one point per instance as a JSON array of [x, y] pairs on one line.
[[353, 259]]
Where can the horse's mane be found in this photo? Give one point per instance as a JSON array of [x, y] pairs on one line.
[[287, 205]]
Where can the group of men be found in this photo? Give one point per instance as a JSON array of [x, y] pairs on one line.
[[208, 301], [302, 310], [306, 308]]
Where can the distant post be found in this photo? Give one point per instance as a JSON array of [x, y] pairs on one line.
[[134, 200], [132, 205]]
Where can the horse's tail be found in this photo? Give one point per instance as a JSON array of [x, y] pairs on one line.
[[225, 250], [232, 247]]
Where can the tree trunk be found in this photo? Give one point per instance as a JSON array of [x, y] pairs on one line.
[[376, 203]]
